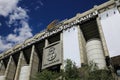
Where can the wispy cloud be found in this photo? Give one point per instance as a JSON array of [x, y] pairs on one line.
[[41, 3], [23, 33], [4, 45], [17, 16], [0, 24], [37, 7]]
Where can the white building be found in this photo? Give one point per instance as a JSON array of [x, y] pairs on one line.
[[92, 36]]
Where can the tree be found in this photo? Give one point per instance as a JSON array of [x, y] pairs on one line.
[[46, 75], [100, 75], [92, 72], [72, 72]]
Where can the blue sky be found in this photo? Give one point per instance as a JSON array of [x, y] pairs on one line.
[[22, 19]]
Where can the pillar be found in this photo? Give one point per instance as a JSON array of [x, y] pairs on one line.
[[21, 62], [34, 63], [105, 49], [10, 70], [2, 68], [82, 44]]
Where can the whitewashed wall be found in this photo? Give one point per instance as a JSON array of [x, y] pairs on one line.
[[110, 21], [71, 45], [24, 73], [2, 77]]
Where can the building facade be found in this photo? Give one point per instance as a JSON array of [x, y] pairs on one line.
[[92, 36]]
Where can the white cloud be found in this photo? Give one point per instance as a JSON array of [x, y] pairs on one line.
[[23, 33], [18, 14], [7, 6], [4, 45], [18, 17]]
